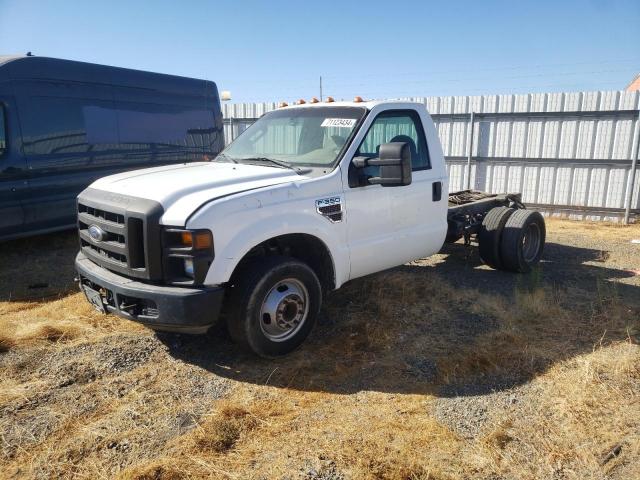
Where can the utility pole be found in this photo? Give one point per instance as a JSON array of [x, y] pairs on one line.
[[320, 87]]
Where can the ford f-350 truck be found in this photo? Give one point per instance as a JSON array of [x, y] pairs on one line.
[[307, 198]]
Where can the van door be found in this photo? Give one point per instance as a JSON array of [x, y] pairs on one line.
[[388, 226], [13, 180]]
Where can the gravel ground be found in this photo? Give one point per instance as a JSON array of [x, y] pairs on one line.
[[468, 413]]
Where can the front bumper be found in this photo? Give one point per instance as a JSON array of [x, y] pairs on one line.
[[174, 309]]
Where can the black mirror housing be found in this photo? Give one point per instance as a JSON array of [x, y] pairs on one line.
[[394, 160], [395, 164]]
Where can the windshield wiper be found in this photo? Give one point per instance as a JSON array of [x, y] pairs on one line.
[[271, 160]]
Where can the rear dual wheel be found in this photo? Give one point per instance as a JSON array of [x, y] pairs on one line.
[[511, 239], [522, 241], [490, 235]]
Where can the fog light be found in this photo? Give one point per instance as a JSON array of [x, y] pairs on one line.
[[188, 266]]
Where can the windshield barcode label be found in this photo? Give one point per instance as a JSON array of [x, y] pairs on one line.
[[339, 122]]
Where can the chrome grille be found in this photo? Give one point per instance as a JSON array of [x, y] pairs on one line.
[[102, 214], [113, 246]]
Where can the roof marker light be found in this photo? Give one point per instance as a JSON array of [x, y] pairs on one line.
[[300, 102], [358, 100], [283, 104], [314, 100], [329, 100]]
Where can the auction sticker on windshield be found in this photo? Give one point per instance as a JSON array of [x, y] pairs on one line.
[[339, 122]]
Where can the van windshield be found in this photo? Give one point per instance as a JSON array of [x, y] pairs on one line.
[[311, 137]]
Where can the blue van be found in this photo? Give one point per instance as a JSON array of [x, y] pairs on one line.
[[63, 124]]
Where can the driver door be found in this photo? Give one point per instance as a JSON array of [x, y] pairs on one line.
[[388, 226]]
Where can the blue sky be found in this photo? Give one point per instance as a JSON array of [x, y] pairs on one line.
[[274, 50]]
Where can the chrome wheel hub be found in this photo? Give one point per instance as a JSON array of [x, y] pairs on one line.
[[284, 310], [531, 242]]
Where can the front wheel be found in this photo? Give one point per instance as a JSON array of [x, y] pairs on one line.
[[273, 305]]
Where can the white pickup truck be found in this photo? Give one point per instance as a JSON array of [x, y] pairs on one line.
[[307, 198]]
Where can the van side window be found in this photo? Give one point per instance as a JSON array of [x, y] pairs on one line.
[[3, 131], [57, 125], [396, 126], [54, 125], [165, 126]]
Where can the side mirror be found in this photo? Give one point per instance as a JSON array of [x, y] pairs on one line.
[[394, 160]]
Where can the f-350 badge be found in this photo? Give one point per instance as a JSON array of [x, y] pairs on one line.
[[330, 208]]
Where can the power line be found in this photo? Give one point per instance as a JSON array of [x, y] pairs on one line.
[[364, 75], [379, 94], [401, 86], [492, 69], [337, 88], [471, 78]]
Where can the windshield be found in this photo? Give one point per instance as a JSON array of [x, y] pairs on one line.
[[310, 137]]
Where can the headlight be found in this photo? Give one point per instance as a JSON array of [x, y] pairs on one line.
[[175, 238], [198, 240], [187, 255]]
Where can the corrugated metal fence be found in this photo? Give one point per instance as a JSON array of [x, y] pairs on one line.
[[566, 152]]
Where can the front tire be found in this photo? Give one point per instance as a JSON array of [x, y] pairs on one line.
[[273, 305]]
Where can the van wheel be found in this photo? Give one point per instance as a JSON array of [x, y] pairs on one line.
[[490, 235], [273, 305], [522, 241]]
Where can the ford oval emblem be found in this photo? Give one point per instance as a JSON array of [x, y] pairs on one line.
[[96, 233]]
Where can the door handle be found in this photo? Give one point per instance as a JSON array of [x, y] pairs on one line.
[[436, 191]]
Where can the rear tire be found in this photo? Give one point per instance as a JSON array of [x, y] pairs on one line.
[[522, 241], [273, 305], [490, 234]]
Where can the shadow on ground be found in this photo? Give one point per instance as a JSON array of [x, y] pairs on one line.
[[38, 268], [449, 346]]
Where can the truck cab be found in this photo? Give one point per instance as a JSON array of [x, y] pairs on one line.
[[308, 197]]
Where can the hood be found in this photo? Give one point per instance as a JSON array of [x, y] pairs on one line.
[[181, 189]]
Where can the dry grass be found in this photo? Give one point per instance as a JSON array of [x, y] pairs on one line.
[[221, 432], [270, 436], [607, 230], [401, 360], [6, 343], [588, 405], [60, 320], [155, 471]]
